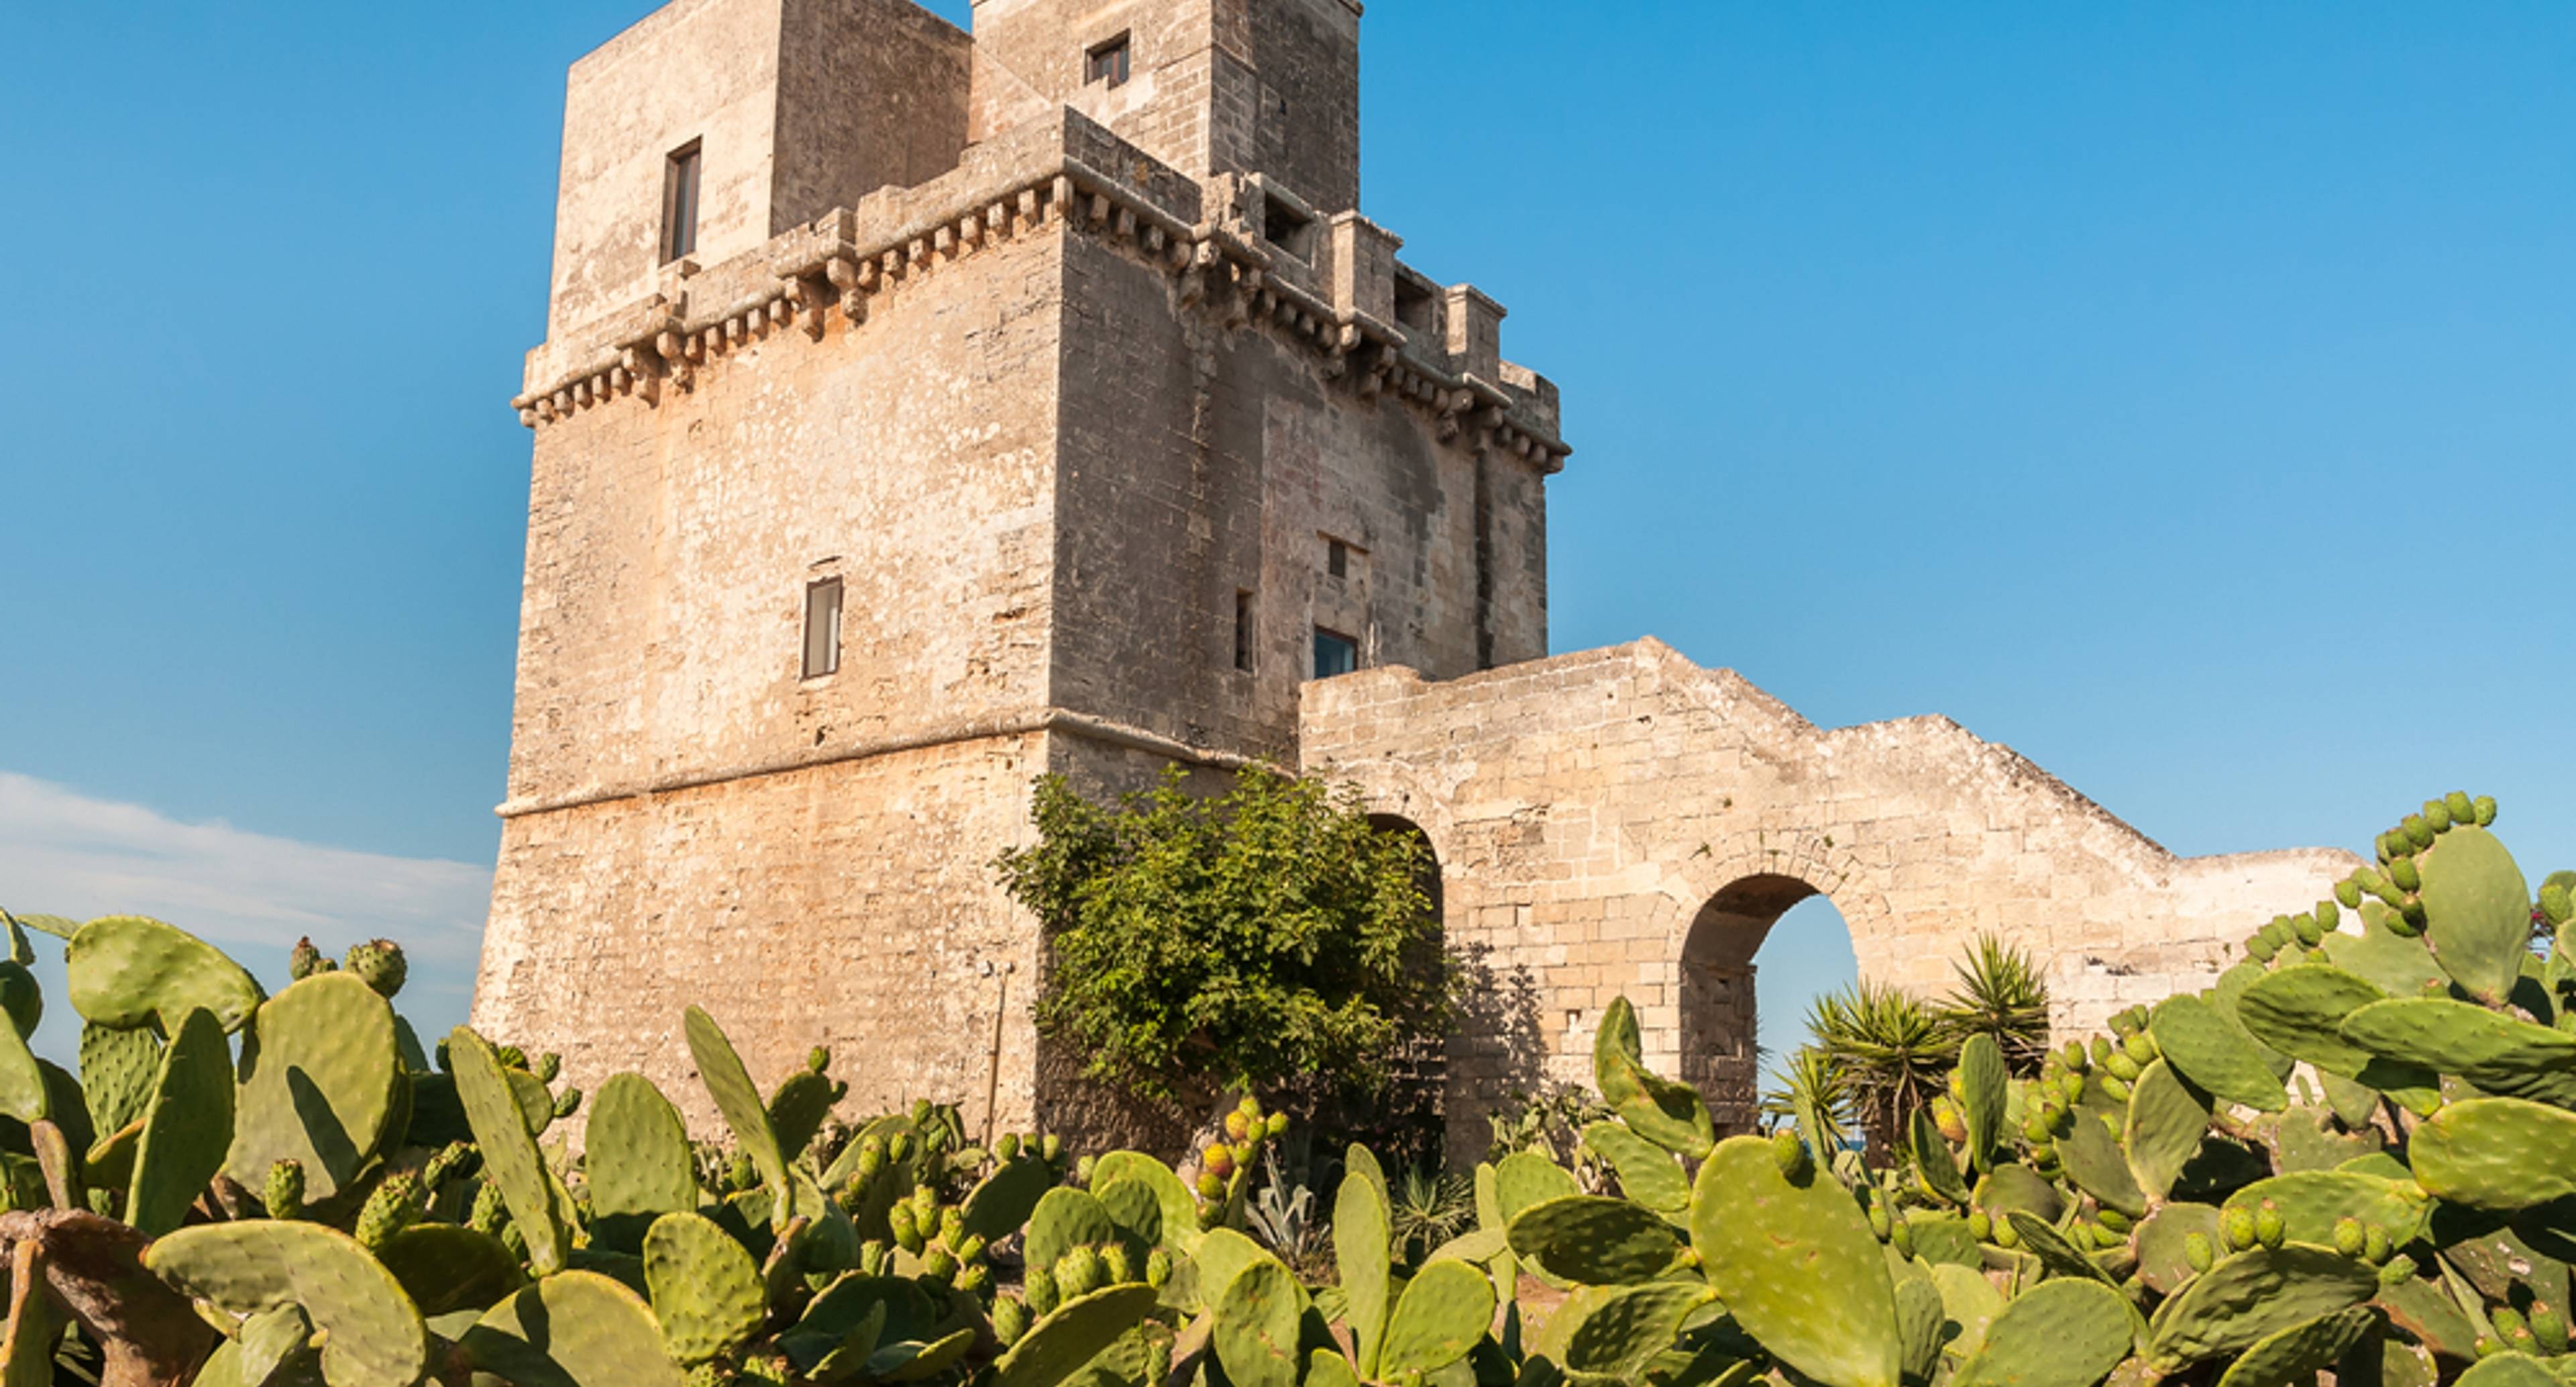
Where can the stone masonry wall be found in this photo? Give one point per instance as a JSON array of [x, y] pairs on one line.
[[1623, 821]]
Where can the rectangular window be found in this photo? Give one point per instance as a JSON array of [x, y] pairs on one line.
[[1335, 653], [1243, 631], [1107, 63], [1282, 225], [822, 628], [1337, 558], [1417, 311], [680, 203]]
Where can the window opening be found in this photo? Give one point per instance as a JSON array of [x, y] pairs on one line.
[[1335, 653], [1108, 63], [1243, 631], [1337, 558], [1416, 311], [822, 628], [1282, 225], [680, 203]]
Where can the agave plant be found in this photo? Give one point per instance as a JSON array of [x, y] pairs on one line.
[[1428, 1208], [1810, 1090], [2000, 994], [1889, 1050]]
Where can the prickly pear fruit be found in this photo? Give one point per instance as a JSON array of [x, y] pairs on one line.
[[1079, 1272], [1007, 1149], [1211, 1186], [283, 1191], [1218, 1160], [938, 1264], [2269, 1228], [548, 1065], [906, 1228], [490, 1213], [567, 1103], [2350, 1238], [1040, 1288], [1010, 1320], [899, 1147], [379, 964], [396, 1205], [2399, 1271], [740, 1172], [1789, 1152], [303, 961], [2348, 891], [1981, 1225], [1945, 1117], [2237, 1226], [2197, 1251], [1051, 1148], [2549, 1327], [2406, 876], [1238, 1124]]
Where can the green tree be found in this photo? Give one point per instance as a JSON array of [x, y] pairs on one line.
[[1268, 935]]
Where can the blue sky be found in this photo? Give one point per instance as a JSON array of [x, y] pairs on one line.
[[2180, 393]]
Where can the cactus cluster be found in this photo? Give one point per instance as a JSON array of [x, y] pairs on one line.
[[2354, 1154]]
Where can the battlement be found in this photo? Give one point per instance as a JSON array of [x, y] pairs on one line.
[[1242, 248]]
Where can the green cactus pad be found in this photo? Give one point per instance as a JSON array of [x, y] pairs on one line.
[[1596, 1241], [2159, 1241], [2396, 965], [1984, 1088], [1007, 1197], [706, 1292], [375, 1335], [1257, 1323], [511, 1162], [1922, 1324], [1797, 1264], [1443, 1313], [2205, 1048], [320, 1082], [1362, 1240], [187, 1128], [1671, 1115], [1065, 1218], [738, 1100], [1524, 1178], [638, 1161], [2297, 1354], [2094, 1161], [1970, 1301], [1940, 1237], [1057, 1346], [1647, 1172], [2009, 1187], [1180, 1209], [117, 1071], [1930, 1153], [2477, 910], [22, 1079], [2311, 1202], [446, 1269], [2428, 1312], [2057, 1334], [2510, 1370], [2496, 1153], [127, 971], [1131, 1206], [797, 1110], [1604, 1334], [2168, 1117], [2056, 1254], [2248, 1297], [2299, 1011], [2491, 1050], [578, 1329]]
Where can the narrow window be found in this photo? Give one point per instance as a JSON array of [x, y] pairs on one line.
[[680, 203], [1335, 653], [1415, 309], [822, 628], [1337, 558], [1243, 631], [1107, 63]]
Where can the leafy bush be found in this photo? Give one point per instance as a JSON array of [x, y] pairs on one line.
[[1265, 936]]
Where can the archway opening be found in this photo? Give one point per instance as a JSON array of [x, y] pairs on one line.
[[1408, 1123], [1758, 953]]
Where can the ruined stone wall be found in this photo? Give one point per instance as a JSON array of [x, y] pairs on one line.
[[1621, 821]]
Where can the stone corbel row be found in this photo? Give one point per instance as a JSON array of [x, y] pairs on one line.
[[817, 274]]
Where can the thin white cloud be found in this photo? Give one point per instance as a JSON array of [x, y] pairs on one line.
[[65, 853]]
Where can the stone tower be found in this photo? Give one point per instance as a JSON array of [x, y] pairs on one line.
[[923, 412]]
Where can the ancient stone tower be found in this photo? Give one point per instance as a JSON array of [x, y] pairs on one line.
[[919, 413]]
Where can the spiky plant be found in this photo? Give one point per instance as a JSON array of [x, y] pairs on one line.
[[1809, 1089], [1888, 1049], [1428, 1208], [1999, 994]]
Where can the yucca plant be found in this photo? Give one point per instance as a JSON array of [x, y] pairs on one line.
[[1888, 1049], [1428, 1208], [1808, 1084], [1999, 994]]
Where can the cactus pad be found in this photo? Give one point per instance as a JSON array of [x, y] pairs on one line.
[[2161, 1238], [705, 1290], [186, 1129], [2299, 1011], [1257, 1323], [1671, 1115], [2204, 1047], [1066, 1218], [2477, 909], [2494, 1051], [511, 1162], [638, 1161], [1057, 1346], [320, 1083], [2167, 1119], [1005, 1199], [2095, 1162], [2497, 1153], [1596, 1241], [2067, 1333], [1180, 1210], [2312, 1202], [1984, 1086], [126, 971], [1614, 1333], [729, 1084], [1797, 1264], [1443, 1313], [1647, 1173], [1362, 1242], [375, 1334], [117, 1071], [446, 1269], [2251, 1296], [578, 1329]]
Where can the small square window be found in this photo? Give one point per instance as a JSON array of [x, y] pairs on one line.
[[1108, 63], [680, 203], [1282, 225], [822, 628], [1335, 653], [1243, 631]]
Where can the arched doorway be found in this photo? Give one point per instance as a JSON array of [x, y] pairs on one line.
[[1725, 1028], [1409, 1122]]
